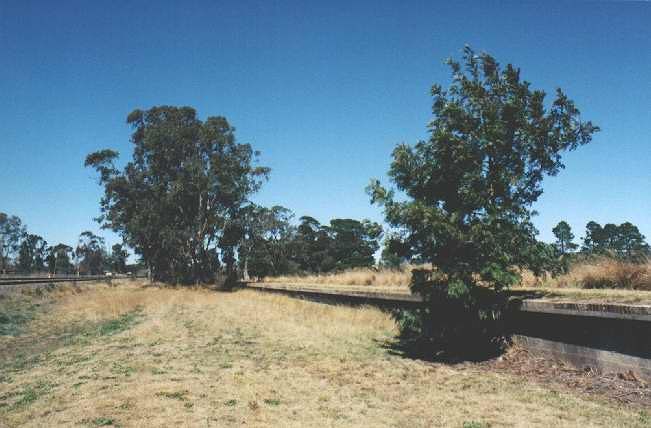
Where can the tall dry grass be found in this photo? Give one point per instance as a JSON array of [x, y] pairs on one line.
[[599, 273], [602, 273], [361, 276]]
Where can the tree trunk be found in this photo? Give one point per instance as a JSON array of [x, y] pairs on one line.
[[245, 273]]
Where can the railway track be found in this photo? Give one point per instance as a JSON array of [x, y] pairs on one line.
[[16, 280]]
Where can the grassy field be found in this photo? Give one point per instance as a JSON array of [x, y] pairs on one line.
[[134, 356]]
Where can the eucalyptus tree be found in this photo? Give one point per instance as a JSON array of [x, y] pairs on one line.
[[268, 241], [468, 189], [354, 242], [32, 254], [118, 258], [12, 232], [59, 259], [312, 246], [181, 192], [91, 253]]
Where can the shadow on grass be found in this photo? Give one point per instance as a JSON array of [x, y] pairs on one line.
[[424, 350]]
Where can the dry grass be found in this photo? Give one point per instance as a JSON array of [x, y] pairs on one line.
[[200, 358], [602, 273], [362, 276], [599, 273]]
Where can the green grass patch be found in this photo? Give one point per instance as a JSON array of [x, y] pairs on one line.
[[31, 393], [101, 422], [272, 401], [118, 325], [177, 395], [475, 424], [15, 313], [121, 369]]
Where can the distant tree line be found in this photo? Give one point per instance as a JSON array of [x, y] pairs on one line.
[[273, 246], [622, 241], [22, 252]]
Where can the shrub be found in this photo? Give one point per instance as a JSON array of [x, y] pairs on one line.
[[449, 327]]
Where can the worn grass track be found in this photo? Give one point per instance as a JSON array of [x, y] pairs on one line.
[[132, 356]]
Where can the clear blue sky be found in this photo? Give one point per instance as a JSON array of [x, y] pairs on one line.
[[324, 89]]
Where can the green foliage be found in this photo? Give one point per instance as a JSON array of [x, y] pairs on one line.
[[176, 395], [353, 243], [273, 246], [59, 259], [312, 246], [564, 238], [624, 241], [395, 252], [12, 232], [118, 259], [469, 188], [267, 241], [457, 321], [32, 254], [177, 202], [91, 253]]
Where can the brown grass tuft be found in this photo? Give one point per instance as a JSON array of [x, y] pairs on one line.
[[362, 276], [601, 273]]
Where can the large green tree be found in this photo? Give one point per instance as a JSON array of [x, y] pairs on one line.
[[354, 242], [631, 244], [183, 189], [564, 238], [312, 246], [594, 241], [469, 188]]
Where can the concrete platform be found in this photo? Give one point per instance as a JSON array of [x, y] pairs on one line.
[[607, 337]]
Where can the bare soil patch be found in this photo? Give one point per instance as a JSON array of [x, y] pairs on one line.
[[623, 388]]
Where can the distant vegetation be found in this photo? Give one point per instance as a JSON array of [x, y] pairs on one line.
[[272, 246], [22, 252]]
